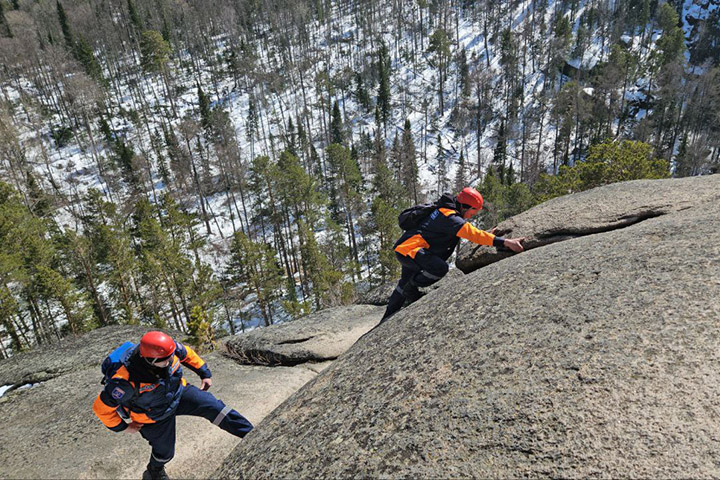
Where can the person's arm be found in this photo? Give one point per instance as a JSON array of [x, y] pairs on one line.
[[107, 402], [192, 360], [481, 237]]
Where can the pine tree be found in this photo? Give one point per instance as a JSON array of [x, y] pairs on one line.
[[65, 27], [253, 265], [440, 49], [337, 134], [361, 94], [672, 42], [112, 250], [155, 51], [409, 169], [251, 125], [682, 161], [348, 181], [383, 97], [204, 107], [134, 16], [708, 42], [31, 263], [290, 141], [84, 54], [464, 75], [460, 180], [389, 199], [40, 203], [319, 270], [202, 335], [500, 152], [441, 167], [396, 158], [4, 26]]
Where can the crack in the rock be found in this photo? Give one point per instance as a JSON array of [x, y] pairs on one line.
[[294, 341], [623, 222], [555, 236], [265, 358], [560, 235]]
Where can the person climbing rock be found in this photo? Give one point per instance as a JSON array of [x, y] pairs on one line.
[[423, 251], [145, 391]]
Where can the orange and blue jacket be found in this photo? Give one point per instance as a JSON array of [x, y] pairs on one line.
[[441, 231], [144, 394]]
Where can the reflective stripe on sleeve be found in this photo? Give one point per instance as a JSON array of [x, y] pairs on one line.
[[223, 413]]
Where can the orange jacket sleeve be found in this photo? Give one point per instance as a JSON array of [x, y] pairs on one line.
[[188, 357], [117, 392], [475, 235], [108, 415]]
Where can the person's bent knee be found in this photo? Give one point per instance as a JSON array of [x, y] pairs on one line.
[[442, 269]]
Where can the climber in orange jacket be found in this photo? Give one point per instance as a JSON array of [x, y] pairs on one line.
[[423, 251], [146, 390]]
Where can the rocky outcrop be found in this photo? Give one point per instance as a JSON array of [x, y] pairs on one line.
[[594, 356], [50, 431], [603, 209], [319, 337]]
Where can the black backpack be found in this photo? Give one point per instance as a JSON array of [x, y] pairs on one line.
[[410, 218]]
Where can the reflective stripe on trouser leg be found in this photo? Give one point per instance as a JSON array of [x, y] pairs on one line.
[[160, 460], [221, 415], [200, 403], [429, 275]]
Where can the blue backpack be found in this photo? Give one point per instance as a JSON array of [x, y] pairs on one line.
[[116, 359]]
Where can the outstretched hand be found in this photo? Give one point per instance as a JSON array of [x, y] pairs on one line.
[[514, 244], [133, 427], [206, 383]]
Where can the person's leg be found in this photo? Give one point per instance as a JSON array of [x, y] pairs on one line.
[[397, 299], [432, 269], [199, 403], [161, 437]]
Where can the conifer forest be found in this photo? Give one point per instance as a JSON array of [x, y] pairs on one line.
[[212, 166]]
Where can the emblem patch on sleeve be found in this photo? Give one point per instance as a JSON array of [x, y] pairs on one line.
[[118, 393]]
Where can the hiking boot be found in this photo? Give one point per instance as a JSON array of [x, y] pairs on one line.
[[155, 473]]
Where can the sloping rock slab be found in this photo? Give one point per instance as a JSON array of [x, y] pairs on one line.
[[381, 294], [601, 209], [593, 357], [50, 431], [317, 337]]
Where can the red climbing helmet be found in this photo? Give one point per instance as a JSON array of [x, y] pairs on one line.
[[156, 345], [470, 197]]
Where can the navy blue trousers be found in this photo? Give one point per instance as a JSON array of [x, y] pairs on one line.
[[421, 271], [198, 403]]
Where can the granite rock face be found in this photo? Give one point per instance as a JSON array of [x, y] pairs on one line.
[[319, 337], [602, 209], [594, 356]]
